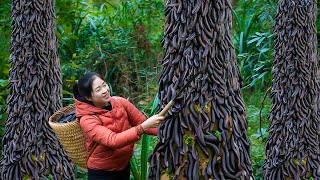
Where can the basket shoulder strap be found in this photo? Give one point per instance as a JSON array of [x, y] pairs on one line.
[[97, 118], [95, 143]]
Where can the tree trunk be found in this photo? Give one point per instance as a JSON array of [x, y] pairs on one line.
[[293, 145], [30, 148], [205, 133]]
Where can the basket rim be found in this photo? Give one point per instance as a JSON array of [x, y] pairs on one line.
[[63, 110]]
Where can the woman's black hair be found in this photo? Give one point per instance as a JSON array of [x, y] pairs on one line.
[[83, 87]]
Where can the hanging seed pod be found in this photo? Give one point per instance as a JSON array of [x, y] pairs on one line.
[[293, 145], [206, 130], [30, 148]]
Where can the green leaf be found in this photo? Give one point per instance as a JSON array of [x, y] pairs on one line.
[[236, 16], [6, 71], [261, 75], [241, 43], [216, 133], [74, 65], [134, 168], [111, 89], [144, 156], [258, 68], [260, 133], [3, 82], [93, 25], [254, 40], [263, 50], [253, 82], [73, 37], [260, 41], [67, 92], [248, 25], [154, 105]]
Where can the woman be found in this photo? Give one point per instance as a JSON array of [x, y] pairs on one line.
[[113, 124]]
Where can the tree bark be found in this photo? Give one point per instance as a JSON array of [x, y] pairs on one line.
[[205, 133], [30, 148], [293, 145]]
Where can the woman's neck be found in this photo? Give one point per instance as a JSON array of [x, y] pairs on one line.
[[102, 105]]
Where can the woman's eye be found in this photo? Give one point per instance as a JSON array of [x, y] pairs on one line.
[[104, 85]]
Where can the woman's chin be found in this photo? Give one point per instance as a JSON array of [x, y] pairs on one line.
[[106, 100]]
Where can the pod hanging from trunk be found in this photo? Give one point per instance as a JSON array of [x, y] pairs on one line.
[[205, 135], [293, 145], [30, 148]]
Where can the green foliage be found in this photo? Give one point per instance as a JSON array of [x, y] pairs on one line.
[[134, 168], [122, 43], [253, 40], [216, 133], [3, 97], [257, 136], [5, 30], [79, 174], [144, 156]]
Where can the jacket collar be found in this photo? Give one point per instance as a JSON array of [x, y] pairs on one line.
[[83, 108]]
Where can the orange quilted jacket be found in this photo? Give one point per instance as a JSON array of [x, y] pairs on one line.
[[115, 136]]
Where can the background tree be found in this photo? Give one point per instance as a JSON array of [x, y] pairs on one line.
[[293, 145], [205, 135], [30, 148]]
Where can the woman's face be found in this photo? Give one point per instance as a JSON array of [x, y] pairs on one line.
[[100, 94]]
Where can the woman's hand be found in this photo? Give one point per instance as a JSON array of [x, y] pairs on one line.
[[152, 122]]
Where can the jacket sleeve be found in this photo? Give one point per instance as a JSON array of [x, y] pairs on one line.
[[93, 129], [135, 116]]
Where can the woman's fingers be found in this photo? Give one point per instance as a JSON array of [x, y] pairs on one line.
[[159, 119], [153, 121]]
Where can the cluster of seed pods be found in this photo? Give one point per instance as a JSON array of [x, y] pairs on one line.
[[205, 133], [30, 148], [293, 145]]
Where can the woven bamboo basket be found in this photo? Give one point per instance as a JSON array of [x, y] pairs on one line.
[[70, 137]]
